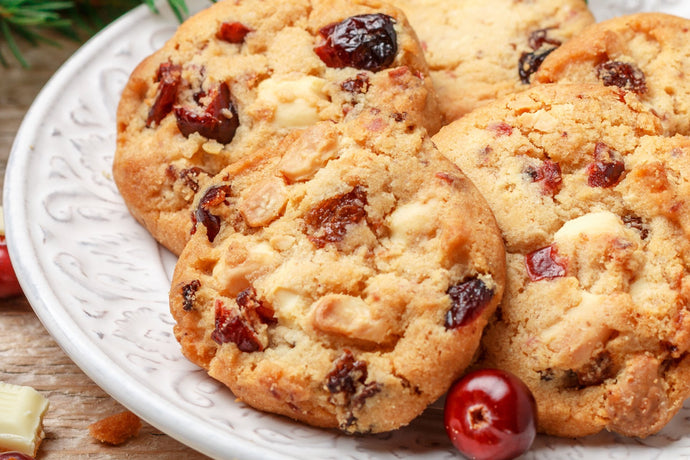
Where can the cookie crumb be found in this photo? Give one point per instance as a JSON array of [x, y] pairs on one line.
[[116, 429]]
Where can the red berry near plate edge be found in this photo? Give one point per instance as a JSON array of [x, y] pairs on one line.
[[490, 414], [9, 285]]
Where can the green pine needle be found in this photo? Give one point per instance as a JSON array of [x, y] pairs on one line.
[[75, 19]]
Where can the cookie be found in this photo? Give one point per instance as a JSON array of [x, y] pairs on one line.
[[646, 53], [344, 280], [239, 76], [479, 51], [593, 201]]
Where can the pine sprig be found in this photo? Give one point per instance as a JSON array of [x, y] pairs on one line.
[[178, 7], [29, 20], [24, 18]]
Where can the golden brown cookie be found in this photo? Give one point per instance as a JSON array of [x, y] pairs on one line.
[[239, 76], [593, 202], [479, 51], [345, 281], [646, 53]]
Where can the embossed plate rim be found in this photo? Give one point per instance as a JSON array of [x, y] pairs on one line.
[[37, 276], [96, 364]]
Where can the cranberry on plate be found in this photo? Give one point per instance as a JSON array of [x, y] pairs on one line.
[[9, 286], [490, 414]]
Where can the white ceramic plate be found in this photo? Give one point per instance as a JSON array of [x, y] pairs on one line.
[[99, 283]]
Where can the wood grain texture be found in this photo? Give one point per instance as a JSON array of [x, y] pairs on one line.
[[28, 355]]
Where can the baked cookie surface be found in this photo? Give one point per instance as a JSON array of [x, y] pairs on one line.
[[646, 53], [592, 201], [240, 75], [348, 279], [481, 50]]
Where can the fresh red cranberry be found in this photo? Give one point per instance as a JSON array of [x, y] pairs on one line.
[[233, 32], [491, 414], [365, 42], [15, 456], [544, 263], [9, 285]]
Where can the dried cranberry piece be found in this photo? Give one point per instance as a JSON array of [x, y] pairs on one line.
[[189, 294], [248, 301], [608, 168], [169, 77], [213, 197], [544, 263], [346, 374], [635, 222], [233, 32], [601, 174], [219, 121], [366, 42], [539, 37], [595, 372], [530, 62], [189, 177], [549, 174], [467, 300], [367, 391], [622, 75], [357, 85], [231, 328], [348, 379], [500, 128], [327, 223]]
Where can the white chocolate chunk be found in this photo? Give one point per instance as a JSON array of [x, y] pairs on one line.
[[349, 317], [309, 152], [290, 303], [212, 146], [263, 202], [297, 102], [21, 418], [410, 221], [576, 337], [234, 276], [594, 223]]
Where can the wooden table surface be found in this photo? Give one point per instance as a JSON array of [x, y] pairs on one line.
[[28, 355]]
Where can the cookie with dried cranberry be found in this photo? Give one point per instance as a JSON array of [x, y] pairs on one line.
[[593, 202], [239, 76], [345, 282], [644, 53], [478, 51]]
